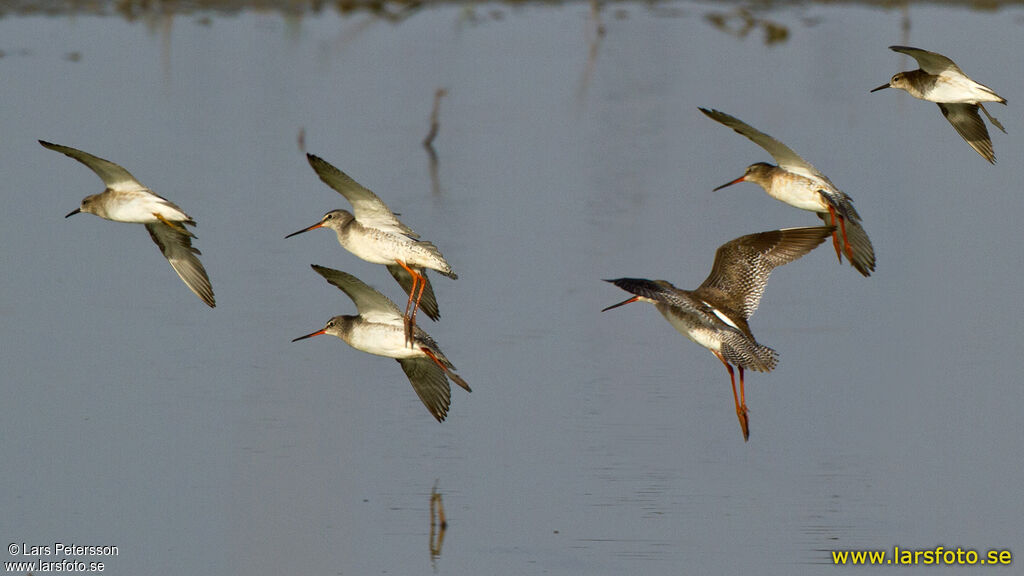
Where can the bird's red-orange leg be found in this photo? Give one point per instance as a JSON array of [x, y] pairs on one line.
[[180, 227], [455, 377], [743, 396], [842, 230], [433, 357], [741, 408], [835, 233], [419, 296], [410, 319], [412, 290]]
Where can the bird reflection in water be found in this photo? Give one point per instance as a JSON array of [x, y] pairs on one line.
[[438, 525], [741, 22], [428, 142]]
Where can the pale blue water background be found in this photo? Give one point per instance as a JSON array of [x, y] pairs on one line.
[[203, 441]]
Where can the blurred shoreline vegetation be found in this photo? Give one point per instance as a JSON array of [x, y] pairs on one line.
[[734, 17]]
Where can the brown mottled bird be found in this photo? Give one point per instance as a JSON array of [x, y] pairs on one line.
[[715, 314]]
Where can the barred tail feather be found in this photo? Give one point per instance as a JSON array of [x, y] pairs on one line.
[[737, 349]]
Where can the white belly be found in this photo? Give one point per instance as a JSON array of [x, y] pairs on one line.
[[140, 207], [386, 340], [959, 90], [698, 334], [799, 192]]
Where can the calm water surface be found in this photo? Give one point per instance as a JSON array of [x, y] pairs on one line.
[[203, 441]]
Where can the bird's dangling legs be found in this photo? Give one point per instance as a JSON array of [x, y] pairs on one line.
[[842, 230], [743, 404], [179, 227], [410, 318], [741, 407], [455, 377]]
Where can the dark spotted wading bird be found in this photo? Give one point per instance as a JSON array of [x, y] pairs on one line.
[[127, 200], [374, 234], [715, 314], [797, 183], [379, 329], [959, 98]]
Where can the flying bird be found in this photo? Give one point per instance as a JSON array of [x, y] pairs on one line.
[[379, 329], [373, 233], [715, 314], [959, 98], [797, 183], [125, 199]]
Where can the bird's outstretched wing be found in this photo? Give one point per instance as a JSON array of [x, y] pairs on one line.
[[742, 266], [968, 124], [115, 177], [366, 206], [930, 62], [784, 156], [176, 246], [430, 384], [372, 305]]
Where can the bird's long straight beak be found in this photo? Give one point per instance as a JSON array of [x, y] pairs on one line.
[[727, 184], [882, 87], [313, 227], [73, 212], [623, 303], [317, 333]]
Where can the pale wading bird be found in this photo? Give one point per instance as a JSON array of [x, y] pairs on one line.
[[715, 314], [374, 234], [959, 98], [797, 183], [126, 200], [379, 329]]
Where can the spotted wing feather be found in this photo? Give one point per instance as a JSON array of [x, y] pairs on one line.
[[742, 266]]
